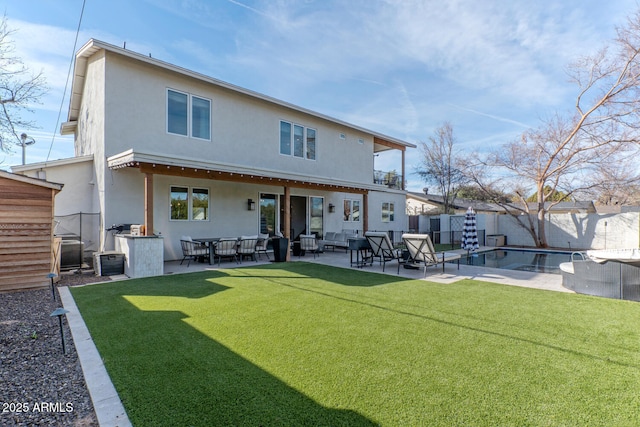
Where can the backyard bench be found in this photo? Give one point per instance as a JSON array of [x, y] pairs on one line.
[[338, 240]]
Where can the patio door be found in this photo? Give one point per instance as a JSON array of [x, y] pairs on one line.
[[268, 218], [307, 215], [316, 216]]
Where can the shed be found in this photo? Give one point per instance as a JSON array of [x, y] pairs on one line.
[[26, 231]]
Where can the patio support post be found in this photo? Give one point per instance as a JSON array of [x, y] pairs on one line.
[[403, 172], [365, 212], [148, 204], [287, 217]]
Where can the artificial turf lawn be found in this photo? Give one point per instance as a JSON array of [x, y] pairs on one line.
[[306, 344]]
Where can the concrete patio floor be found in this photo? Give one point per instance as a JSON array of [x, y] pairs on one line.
[[340, 258]]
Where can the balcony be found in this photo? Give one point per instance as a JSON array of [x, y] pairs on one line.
[[390, 179]]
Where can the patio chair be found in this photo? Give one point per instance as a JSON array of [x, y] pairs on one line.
[[261, 247], [308, 243], [226, 248], [421, 251], [382, 248], [192, 250], [247, 247]]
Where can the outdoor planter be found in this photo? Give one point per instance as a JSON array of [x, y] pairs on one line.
[[280, 249]]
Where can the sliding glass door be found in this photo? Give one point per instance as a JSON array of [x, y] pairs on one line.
[[268, 209], [307, 215], [316, 216]]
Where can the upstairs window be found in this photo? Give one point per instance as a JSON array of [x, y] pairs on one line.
[[177, 112], [297, 140], [200, 118], [188, 115], [285, 138], [311, 144]]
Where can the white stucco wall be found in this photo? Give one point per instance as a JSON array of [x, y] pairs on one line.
[[580, 231], [245, 131], [376, 199], [89, 136], [78, 193]]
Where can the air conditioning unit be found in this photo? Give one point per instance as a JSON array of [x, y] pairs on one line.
[[109, 263], [71, 254]]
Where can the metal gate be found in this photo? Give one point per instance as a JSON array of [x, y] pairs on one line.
[[456, 225], [434, 226]]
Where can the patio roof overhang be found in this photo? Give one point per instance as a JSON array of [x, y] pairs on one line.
[[153, 164], [192, 168], [382, 144]]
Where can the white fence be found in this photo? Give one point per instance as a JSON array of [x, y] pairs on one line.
[[569, 231]]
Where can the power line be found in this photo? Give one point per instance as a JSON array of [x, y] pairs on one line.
[[64, 94]]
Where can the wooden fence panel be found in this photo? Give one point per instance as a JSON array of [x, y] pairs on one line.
[[26, 234]]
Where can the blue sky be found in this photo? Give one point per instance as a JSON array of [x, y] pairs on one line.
[[401, 67]]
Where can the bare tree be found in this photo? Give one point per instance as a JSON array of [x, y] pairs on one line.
[[570, 154], [618, 185], [440, 164], [19, 90]]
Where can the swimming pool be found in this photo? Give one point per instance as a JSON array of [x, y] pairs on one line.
[[537, 261]]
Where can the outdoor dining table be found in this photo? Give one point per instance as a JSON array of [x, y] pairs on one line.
[[210, 242]]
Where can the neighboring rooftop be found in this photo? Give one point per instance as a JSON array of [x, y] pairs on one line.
[[486, 207]]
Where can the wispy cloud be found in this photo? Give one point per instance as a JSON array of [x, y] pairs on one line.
[[492, 116], [252, 9]]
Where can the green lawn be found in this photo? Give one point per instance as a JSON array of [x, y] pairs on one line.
[[305, 344]]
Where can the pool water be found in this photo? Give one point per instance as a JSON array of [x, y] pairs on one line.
[[519, 259]]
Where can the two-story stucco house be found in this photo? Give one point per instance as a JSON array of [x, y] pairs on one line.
[[186, 154]]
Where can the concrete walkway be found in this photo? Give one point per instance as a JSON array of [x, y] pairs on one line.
[[106, 402], [109, 409]]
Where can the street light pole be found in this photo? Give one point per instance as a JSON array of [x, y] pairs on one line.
[[25, 140]]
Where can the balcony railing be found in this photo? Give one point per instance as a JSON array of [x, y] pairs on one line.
[[388, 179]]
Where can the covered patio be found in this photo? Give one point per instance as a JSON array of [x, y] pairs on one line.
[[158, 172]]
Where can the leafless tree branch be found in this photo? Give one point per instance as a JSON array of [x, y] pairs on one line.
[[19, 91]]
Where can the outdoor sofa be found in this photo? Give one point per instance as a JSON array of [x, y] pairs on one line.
[[339, 240]]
